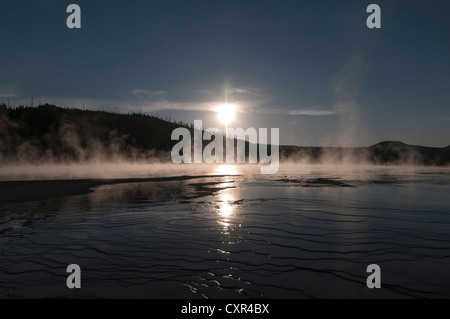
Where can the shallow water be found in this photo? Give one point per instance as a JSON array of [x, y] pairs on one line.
[[299, 234]]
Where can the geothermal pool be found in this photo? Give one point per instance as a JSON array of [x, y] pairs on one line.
[[303, 233]]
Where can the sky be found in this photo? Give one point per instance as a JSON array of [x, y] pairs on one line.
[[311, 68]]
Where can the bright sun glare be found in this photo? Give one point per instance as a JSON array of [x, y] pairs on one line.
[[226, 209], [226, 113]]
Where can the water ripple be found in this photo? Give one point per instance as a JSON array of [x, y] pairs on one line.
[[232, 238]]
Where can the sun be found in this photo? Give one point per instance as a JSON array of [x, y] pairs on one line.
[[226, 113]]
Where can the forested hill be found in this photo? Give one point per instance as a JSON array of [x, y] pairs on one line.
[[52, 134]]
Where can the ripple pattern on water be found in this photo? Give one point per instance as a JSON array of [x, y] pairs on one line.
[[231, 237]]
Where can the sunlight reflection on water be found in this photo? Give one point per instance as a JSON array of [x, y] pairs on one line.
[[226, 211], [295, 235], [226, 208], [226, 170]]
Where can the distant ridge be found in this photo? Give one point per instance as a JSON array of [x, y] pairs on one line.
[[396, 144], [389, 144], [50, 133], [383, 153]]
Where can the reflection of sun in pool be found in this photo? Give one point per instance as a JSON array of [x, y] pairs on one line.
[[226, 209], [226, 170]]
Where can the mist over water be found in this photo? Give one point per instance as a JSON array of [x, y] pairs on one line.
[[129, 170], [98, 170]]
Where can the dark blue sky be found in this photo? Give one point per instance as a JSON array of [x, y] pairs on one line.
[[311, 68]]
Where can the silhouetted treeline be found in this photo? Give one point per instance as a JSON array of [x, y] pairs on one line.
[[47, 132], [50, 133]]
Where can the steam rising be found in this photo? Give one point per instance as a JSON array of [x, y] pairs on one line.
[[346, 86], [49, 143]]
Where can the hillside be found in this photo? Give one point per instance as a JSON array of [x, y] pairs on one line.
[[49, 133]]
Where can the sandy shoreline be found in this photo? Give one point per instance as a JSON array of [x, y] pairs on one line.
[[20, 191]]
